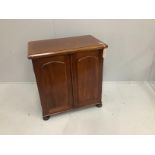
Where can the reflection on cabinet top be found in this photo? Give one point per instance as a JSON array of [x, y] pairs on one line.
[[43, 48]]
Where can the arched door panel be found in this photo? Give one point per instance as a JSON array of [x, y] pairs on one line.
[[87, 73]]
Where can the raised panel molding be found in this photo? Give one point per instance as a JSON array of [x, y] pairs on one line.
[[51, 62], [83, 58]]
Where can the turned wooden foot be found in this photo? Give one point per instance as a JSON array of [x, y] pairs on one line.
[[99, 105], [45, 118]]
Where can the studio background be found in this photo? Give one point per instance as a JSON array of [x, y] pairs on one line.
[[130, 56]]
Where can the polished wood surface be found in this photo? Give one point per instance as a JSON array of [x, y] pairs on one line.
[[54, 81], [68, 80], [87, 73], [43, 48]]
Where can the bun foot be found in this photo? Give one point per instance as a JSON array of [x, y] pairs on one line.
[[45, 118], [99, 105]]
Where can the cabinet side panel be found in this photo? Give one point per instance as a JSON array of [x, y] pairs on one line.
[[40, 89], [101, 67]]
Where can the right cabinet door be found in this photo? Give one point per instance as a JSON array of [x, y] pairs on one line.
[[87, 77]]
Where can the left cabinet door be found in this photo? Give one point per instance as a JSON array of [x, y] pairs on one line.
[[53, 77]]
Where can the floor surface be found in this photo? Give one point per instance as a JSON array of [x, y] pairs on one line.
[[128, 108]]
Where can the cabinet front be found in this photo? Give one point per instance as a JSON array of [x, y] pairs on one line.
[[87, 77], [54, 83]]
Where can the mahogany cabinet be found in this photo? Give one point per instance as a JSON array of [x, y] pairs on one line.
[[68, 72]]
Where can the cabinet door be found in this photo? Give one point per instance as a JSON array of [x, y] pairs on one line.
[[54, 82], [87, 77]]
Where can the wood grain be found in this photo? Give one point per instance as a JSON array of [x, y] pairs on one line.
[[71, 75], [54, 81], [87, 73], [44, 48]]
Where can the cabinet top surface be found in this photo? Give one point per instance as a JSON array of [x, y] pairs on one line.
[[51, 47]]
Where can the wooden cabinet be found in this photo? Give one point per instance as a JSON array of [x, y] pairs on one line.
[[54, 83], [68, 72]]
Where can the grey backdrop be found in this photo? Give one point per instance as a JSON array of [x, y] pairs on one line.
[[129, 56]]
